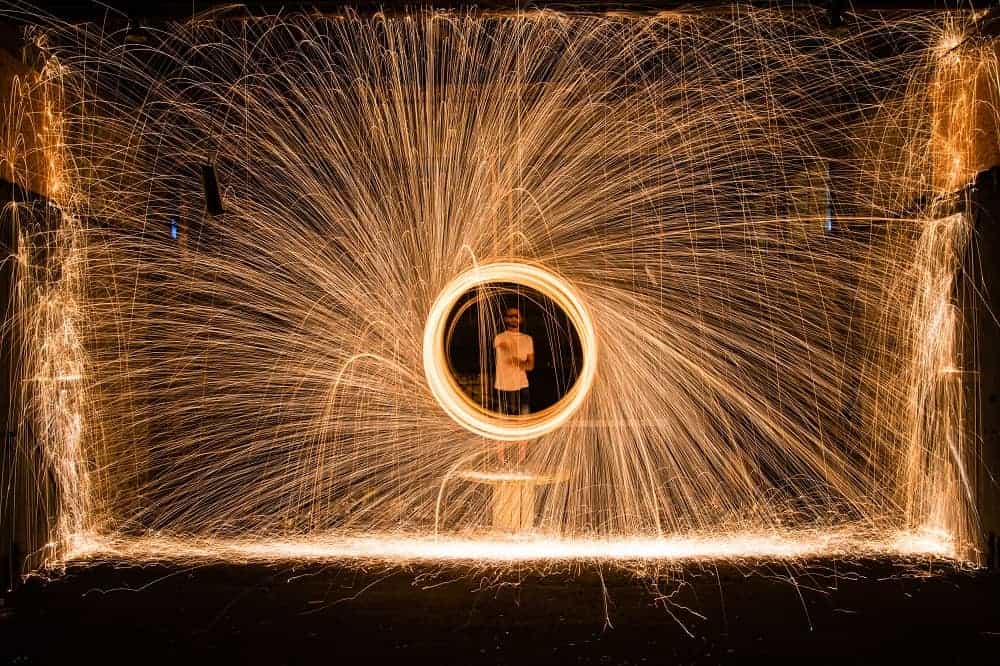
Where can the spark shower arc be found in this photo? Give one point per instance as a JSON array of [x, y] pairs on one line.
[[744, 213]]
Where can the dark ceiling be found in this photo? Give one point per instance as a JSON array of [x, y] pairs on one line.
[[129, 14], [90, 10]]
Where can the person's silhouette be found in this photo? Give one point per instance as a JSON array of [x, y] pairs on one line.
[[515, 358]]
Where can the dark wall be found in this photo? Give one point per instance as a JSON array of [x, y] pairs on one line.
[[7, 477], [980, 298], [25, 491]]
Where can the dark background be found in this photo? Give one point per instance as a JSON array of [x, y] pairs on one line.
[[137, 13], [710, 613], [556, 342]]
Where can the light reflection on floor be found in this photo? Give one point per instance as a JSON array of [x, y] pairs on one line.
[[529, 547]]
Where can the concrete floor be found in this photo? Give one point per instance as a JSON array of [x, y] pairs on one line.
[[835, 612]]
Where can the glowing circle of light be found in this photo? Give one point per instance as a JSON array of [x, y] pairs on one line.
[[450, 396]]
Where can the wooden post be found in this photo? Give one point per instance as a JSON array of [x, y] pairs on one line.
[[514, 506]]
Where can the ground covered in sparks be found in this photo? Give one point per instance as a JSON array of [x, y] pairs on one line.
[[526, 547], [870, 611]]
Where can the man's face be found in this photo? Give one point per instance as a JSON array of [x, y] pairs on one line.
[[512, 319]]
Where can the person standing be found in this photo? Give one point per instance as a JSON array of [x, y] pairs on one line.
[[515, 358]]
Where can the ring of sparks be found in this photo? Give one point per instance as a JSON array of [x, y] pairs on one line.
[[463, 409]]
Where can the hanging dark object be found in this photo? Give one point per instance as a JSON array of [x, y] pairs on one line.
[[835, 13], [213, 201]]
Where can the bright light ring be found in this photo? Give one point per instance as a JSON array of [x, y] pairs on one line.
[[450, 396]]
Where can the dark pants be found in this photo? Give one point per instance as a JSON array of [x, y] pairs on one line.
[[513, 403]]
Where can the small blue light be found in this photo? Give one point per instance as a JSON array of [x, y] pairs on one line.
[[174, 228], [829, 210]]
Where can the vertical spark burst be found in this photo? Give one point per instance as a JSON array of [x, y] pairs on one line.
[[935, 469], [48, 380]]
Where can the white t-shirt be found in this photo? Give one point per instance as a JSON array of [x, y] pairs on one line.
[[511, 345]]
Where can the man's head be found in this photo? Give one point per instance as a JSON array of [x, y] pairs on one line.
[[512, 318]]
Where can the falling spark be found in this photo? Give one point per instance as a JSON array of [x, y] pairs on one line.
[[742, 211]]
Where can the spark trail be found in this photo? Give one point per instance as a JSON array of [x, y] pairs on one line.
[[748, 205]]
